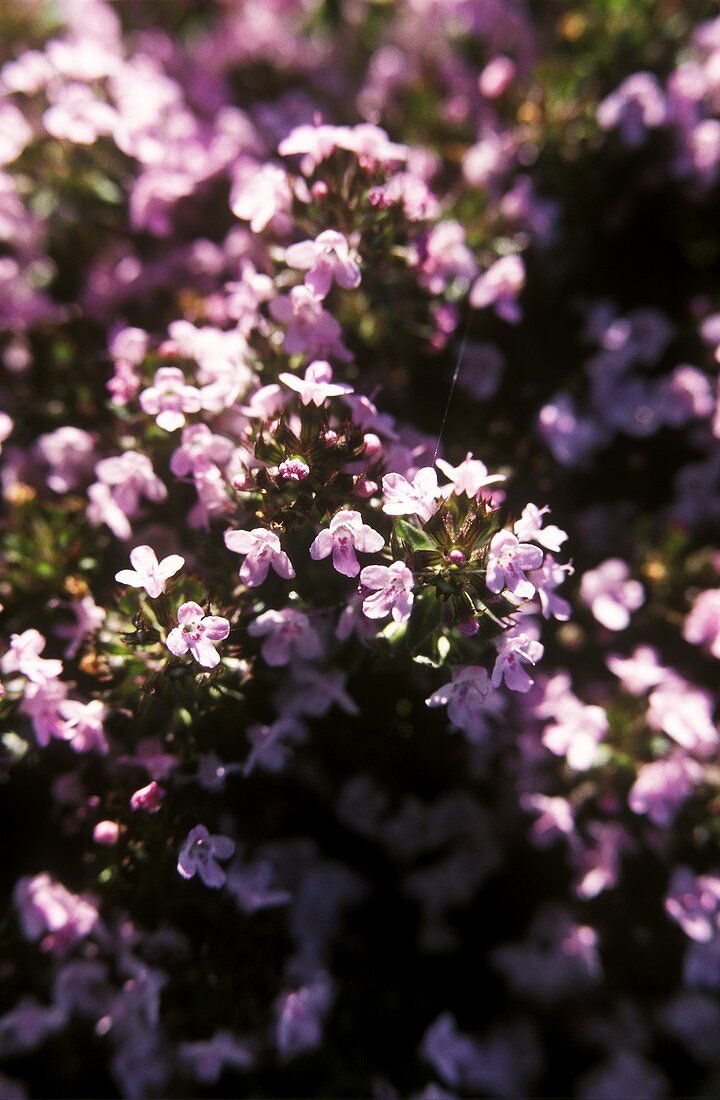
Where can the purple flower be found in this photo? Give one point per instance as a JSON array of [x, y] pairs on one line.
[[263, 550], [209, 1058], [469, 698], [662, 786], [684, 713], [169, 398], [326, 259], [530, 526], [147, 572], [88, 619], [310, 328], [702, 625], [346, 534], [284, 632], [392, 587], [470, 477], [197, 632], [417, 499], [513, 648], [45, 906], [507, 559], [300, 1016], [576, 733], [610, 593], [499, 287], [694, 902], [23, 656], [635, 106], [84, 725], [199, 853], [317, 385], [147, 798], [546, 579], [259, 193]]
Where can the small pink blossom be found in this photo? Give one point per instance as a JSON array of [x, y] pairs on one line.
[[310, 328], [702, 625], [147, 798], [499, 287], [293, 469], [470, 477], [106, 833], [199, 854], [89, 617], [197, 632], [200, 446], [405, 499], [392, 587], [469, 698], [326, 260], [148, 572], [169, 398], [685, 713], [23, 656], [317, 385], [346, 534], [546, 579], [259, 193], [45, 906], [287, 633], [84, 725], [507, 560], [512, 649], [262, 549], [694, 902], [610, 593], [530, 527]]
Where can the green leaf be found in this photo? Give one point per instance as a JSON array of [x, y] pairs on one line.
[[425, 620], [413, 537]]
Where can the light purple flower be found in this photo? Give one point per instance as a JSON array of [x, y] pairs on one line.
[[694, 902], [200, 446], [310, 328], [199, 854], [263, 550], [530, 527], [499, 287], [470, 477], [84, 727], [147, 798], [23, 656], [89, 617], [346, 534], [635, 106], [326, 260], [392, 587], [148, 572], [45, 906], [317, 385], [662, 786], [639, 672], [684, 712], [286, 633], [576, 733], [470, 700], [546, 579], [169, 398], [210, 1057], [417, 499], [259, 193], [610, 593], [702, 625], [507, 560], [197, 632], [513, 648], [300, 1016]]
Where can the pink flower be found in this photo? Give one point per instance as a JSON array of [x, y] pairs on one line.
[[200, 446], [512, 648], [346, 534], [169, 398], [197, 632], [147, 798], [45, 906], [546, 579], [106, 833], [199, 853], [326, 259], [610, 594], [469, 698], [84, 725], [507, 559], [499, 287], [405, 499], [284, 632], [694, 902], [529, 526], [469, 477], [392, 587], [148, 573], [23, 656], [88, 619], [263, 549], [702, 625], [317, 385], [310, 328], [685, 713], [259, 193]]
